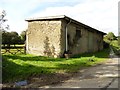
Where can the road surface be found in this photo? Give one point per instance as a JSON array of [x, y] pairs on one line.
[[101, 76]]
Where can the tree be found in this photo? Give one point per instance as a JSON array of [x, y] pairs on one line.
[[6, 38], [10, 38], [113, 42], [3, 28], [2, 21], [23, 36], [15, 38], [109, 37]]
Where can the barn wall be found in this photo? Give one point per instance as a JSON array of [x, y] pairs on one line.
[[89, 41], [47, 38], [43, 38]]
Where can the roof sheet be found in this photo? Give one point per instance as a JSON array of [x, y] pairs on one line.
[[62, 17]]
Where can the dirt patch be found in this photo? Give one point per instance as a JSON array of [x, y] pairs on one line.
[[42, 80]]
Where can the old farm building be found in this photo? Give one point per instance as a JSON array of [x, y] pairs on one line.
[[55, 35]]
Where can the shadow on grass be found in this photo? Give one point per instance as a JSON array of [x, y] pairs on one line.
[[13, 71], [33, 58], [74, 67], [101, 54]]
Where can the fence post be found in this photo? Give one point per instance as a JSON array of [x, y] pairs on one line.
[[25, 48]]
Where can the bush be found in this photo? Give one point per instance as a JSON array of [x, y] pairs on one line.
[[115, 46]]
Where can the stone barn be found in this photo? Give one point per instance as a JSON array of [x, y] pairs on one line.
[[55, 35]]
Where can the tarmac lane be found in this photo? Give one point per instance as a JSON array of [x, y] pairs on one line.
[[104, 76]]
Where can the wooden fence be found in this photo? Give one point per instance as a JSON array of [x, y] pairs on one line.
[[13, 49]]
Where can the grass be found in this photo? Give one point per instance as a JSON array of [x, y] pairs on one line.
[[20, 66], [3, 51], [13, 50]]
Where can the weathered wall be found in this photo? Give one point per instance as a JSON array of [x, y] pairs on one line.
[[90, 40], [47, 38], [43, 38]]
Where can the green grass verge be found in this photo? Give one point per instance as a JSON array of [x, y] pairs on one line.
[[20, 66]]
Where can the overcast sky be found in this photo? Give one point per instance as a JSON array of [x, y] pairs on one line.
[[99, 14]]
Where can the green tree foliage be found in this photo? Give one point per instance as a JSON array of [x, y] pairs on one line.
[[3, 27], [15, 38], [119, 40], [113, 41], [10, 38], [23, 36], [5, 37], [109, 37]]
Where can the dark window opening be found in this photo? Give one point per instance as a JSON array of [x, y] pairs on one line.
[[78, 33], [77, 36]]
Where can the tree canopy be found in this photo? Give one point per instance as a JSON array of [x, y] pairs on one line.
[[2, 21], [23, 36], [12, 38], [113, 41], [109, 37]]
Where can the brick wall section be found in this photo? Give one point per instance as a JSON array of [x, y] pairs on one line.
[[43, 38]]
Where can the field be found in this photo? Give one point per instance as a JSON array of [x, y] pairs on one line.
[[20, 66]]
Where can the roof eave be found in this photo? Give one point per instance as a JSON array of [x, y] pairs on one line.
[[46, 18], [62, 17]]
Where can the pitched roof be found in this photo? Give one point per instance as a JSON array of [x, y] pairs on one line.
[[62, 17]]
